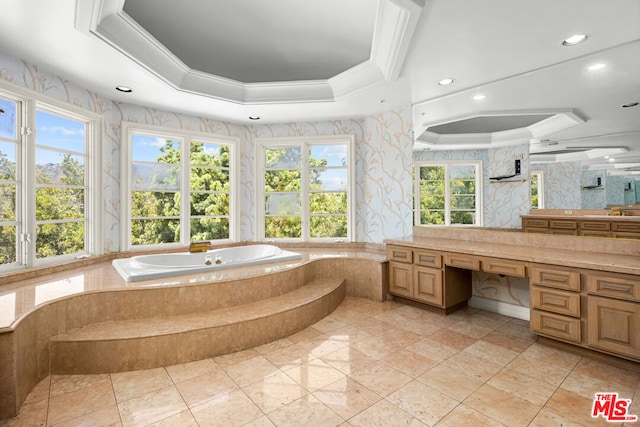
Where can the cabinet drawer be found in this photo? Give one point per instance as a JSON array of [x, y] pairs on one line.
[[536, 223], [594, 233], [556, 325], [564, 232], [536, 230], [561, 302], [555, 278], [620, 287], [563, 224], [614, 326], [595, 225], [501, 266], [400, 254], [468, 262], [626, 235], [631, 227], [427, 258]]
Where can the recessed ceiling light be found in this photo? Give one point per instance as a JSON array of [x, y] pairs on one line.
[[445, 82], [629, 105], [125, 89], [479, 97], [254, 117], [595, 67], [611, 159], [607, 157], [575, 39]]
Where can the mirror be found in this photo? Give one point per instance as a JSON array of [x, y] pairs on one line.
[[596, 189]]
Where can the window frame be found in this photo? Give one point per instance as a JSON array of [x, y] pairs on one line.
[[185, 137], [304, 143], [540, 180], [479, 203], [28, 103]]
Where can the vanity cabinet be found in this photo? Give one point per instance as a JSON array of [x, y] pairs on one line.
[[614, 313], [616, 227], [626, 230], [556, 300], [594, 309], [415, 274], [420, 275], [550, 226]]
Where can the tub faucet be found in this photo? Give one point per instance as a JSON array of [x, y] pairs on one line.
[[200, 246]]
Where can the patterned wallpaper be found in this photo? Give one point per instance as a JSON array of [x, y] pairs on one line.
[[596, 198], [615, 190], [506, 200], [383, 153], [561, 184]]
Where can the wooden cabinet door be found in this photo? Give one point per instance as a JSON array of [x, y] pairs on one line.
[[427, 285], [400, 279], [614, 326]]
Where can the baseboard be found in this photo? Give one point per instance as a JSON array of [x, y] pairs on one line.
[[500, 307]]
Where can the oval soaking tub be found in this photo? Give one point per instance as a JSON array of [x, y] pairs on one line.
[[146, 267]]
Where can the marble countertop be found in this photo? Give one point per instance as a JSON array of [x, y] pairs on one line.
[[570, 257], [585, 217]]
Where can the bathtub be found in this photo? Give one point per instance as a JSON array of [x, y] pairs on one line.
[[146, 267]]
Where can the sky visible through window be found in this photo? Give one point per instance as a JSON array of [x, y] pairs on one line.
[[146, 148], [58, 132]]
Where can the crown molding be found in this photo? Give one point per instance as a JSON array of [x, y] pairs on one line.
[[395, 25]]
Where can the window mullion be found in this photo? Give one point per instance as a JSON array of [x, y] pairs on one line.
[[185, 190], [305, 197], [447, 196], [28, 178]]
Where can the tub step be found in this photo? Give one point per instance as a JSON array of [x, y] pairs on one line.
[[116, 346]]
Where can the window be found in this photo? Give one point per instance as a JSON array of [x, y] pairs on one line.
[[537, 190], [448, 193], [305, 188], [166, 168], [49, 192]]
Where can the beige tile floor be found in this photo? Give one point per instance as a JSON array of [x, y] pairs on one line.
[[367, 364]]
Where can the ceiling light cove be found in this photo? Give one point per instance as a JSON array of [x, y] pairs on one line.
[[575, 39]]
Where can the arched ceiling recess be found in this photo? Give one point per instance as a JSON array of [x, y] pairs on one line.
[[393, 27]]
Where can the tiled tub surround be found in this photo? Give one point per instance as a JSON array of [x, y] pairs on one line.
[[47, 307]]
